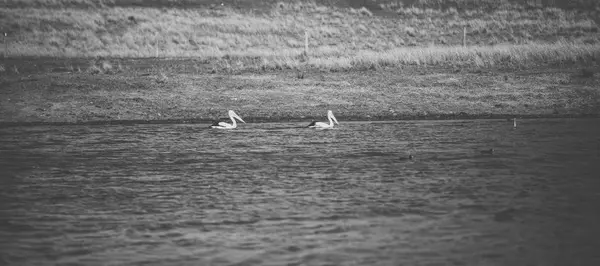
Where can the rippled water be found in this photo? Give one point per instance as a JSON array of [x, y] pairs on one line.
[[275, 194]]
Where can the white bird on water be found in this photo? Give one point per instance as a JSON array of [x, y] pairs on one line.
[[225, 125], [331, 118]]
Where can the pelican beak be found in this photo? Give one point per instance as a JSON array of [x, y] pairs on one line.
[[334, 119], [239, 118]]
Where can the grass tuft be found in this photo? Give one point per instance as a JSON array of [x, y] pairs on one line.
[[161, 78], [106, 66], [363, 11], [102, 67]]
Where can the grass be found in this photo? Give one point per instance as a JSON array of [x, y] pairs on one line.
[[77, 61], [172, 90], [341, 38]]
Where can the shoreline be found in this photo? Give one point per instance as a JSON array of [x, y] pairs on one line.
[[263, 120], [164, 94]]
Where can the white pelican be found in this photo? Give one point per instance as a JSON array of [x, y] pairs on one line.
[[514, 122], [225, 125], [331, 118]]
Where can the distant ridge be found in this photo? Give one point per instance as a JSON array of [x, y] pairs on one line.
[[372, 5]]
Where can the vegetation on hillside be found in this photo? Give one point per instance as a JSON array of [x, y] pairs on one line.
[[274, 37], [489, 4], [79, 60]]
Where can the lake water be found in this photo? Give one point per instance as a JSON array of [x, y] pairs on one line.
[[276, 194]]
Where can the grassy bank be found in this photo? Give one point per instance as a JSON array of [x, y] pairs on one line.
[[273, 36], [82, 61], [171, 89]]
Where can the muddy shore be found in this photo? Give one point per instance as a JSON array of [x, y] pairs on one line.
[[37, 92]]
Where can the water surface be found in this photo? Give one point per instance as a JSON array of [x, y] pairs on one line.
[[276, 194]]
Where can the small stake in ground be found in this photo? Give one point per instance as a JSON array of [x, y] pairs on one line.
[[305, 42], [5, 46], [464, 36]]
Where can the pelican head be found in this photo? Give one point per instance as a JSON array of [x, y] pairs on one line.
[[232, 114], [330, 115]]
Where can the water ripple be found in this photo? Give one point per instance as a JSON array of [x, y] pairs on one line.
[[274, 194]]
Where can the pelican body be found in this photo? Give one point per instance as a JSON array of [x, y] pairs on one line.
[[225, 125], [323, 125]]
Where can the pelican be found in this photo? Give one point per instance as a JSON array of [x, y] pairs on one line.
[[225, 125], [514, 122], [331, 118]]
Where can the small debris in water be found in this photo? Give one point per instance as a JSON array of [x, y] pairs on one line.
[[523, 194], [505, 215], [409, 157], [490, 151]]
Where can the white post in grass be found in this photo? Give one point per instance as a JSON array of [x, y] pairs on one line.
[[156, 48], [305, 42], [5, 46], [464, 36]]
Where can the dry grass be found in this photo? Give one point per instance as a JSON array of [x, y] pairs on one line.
[[166, 92], [90, 72], [340, 38]]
